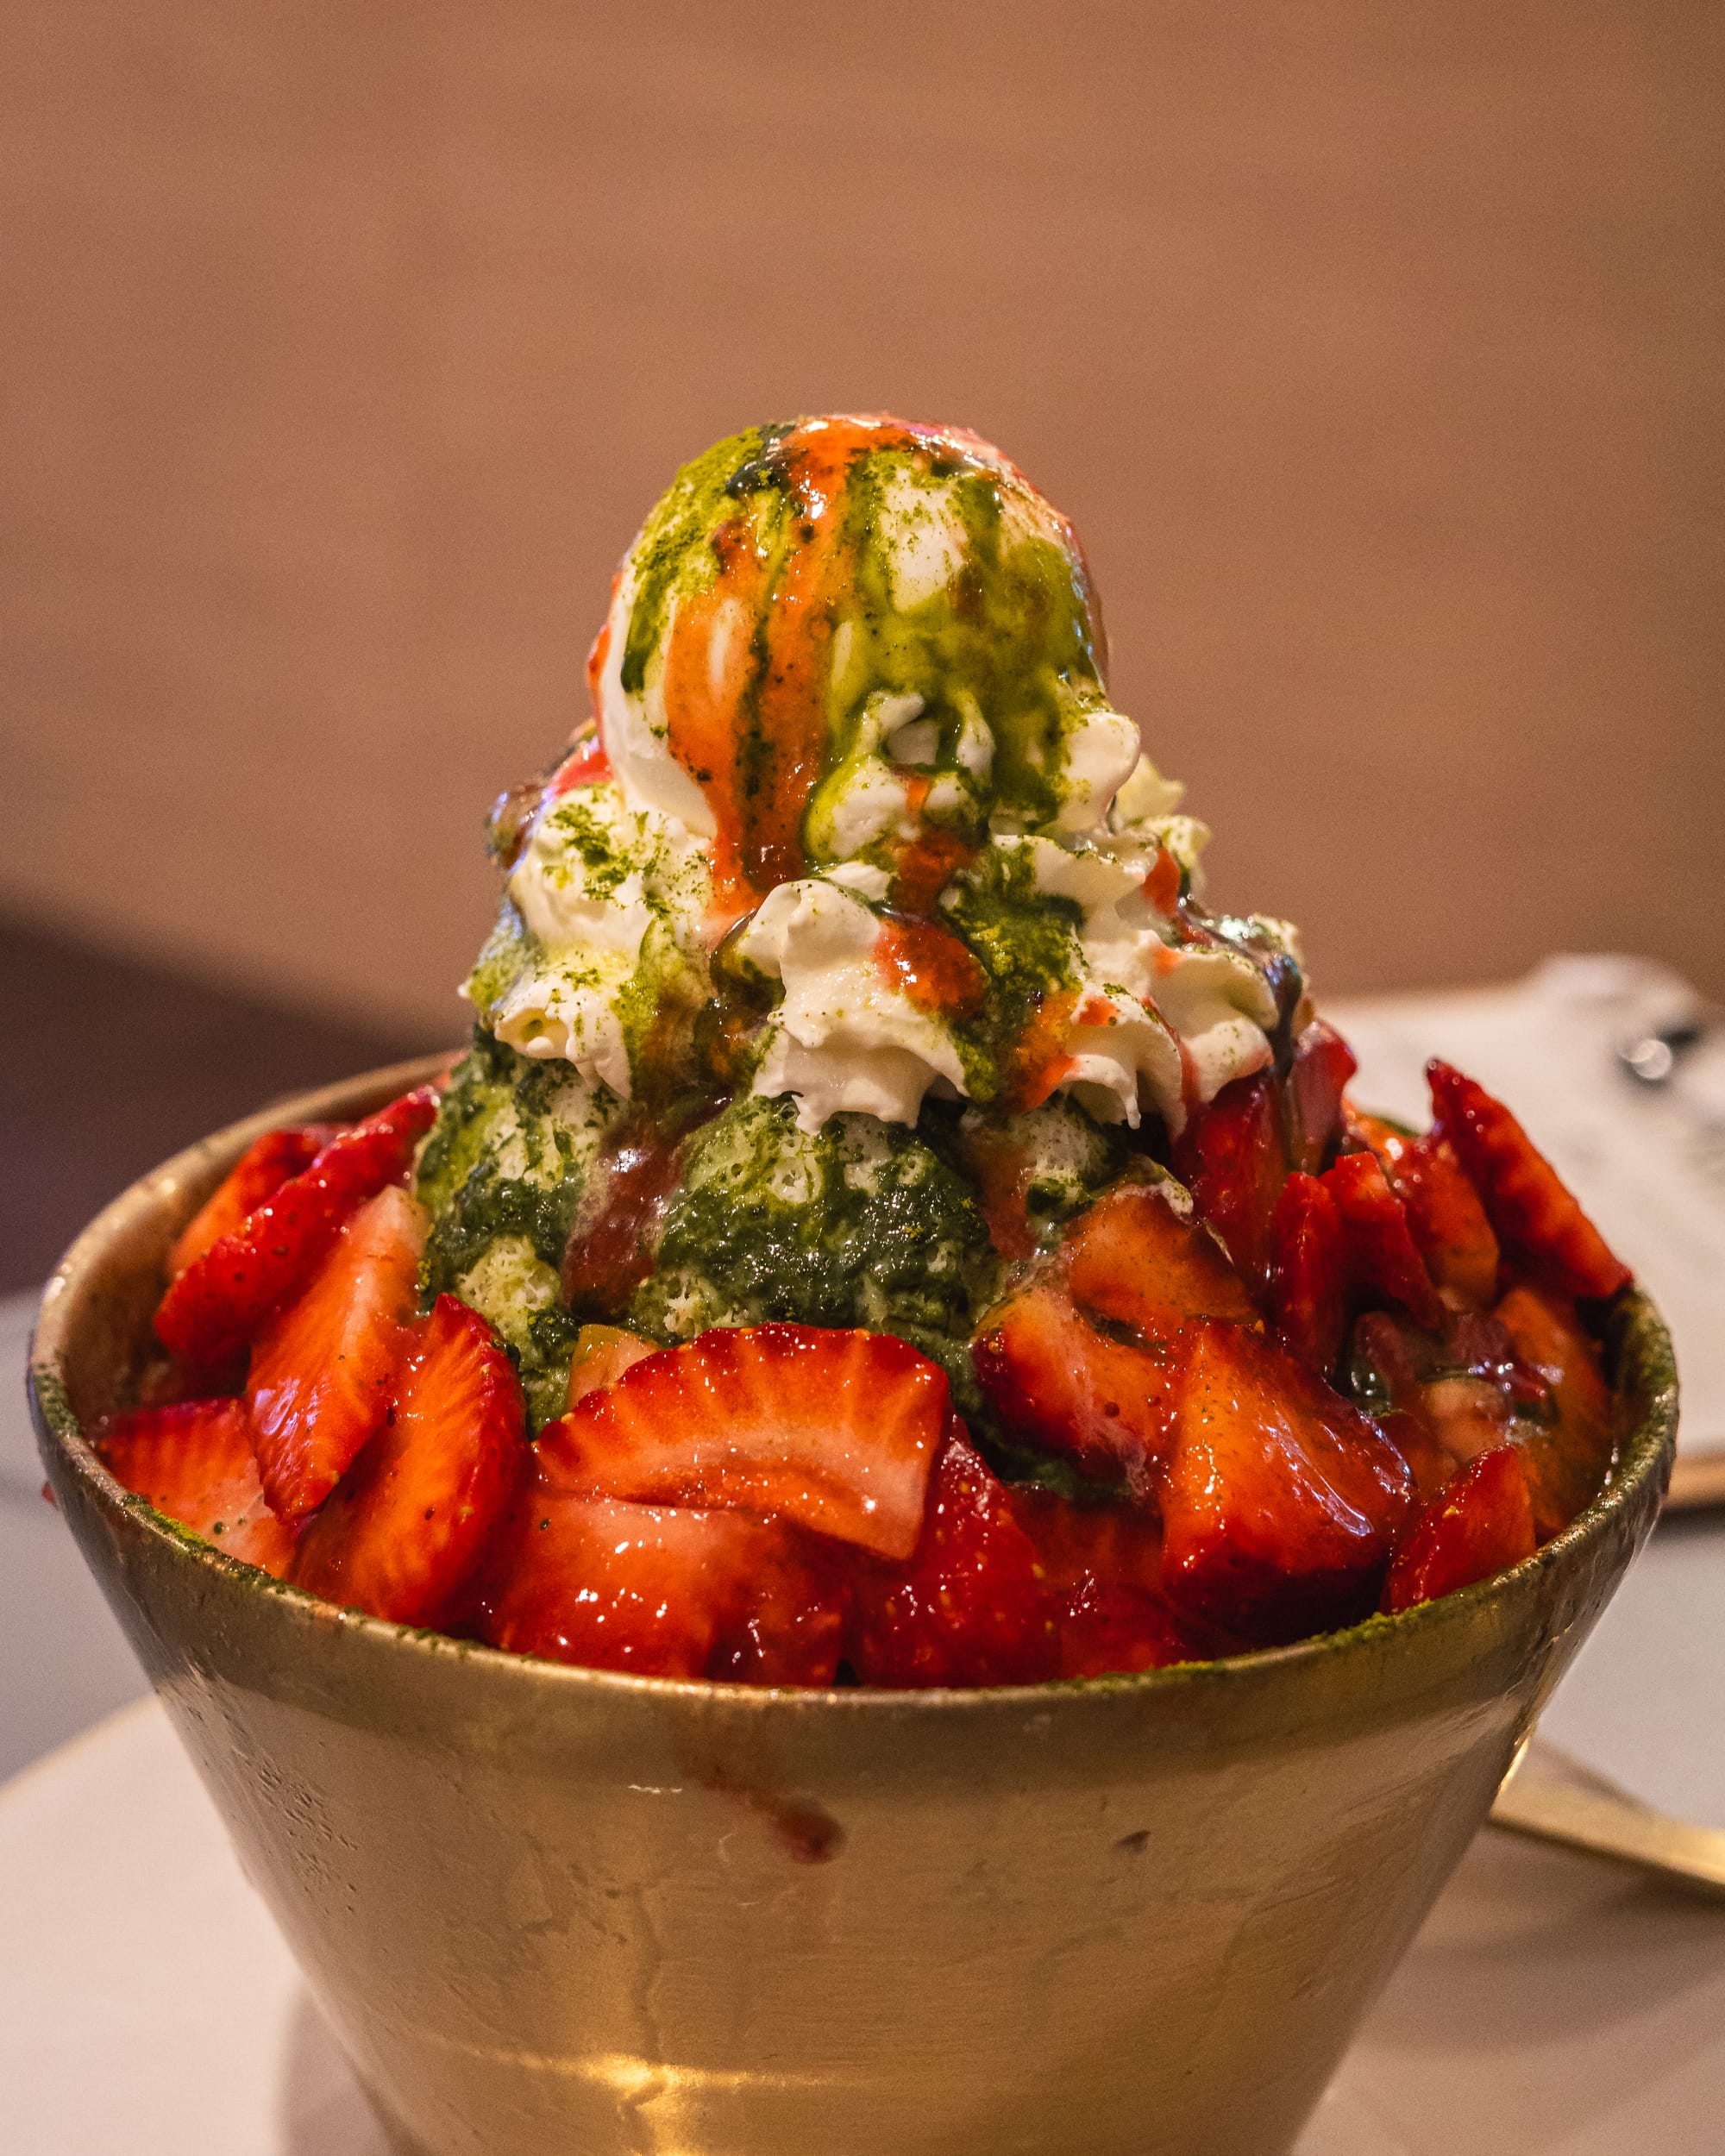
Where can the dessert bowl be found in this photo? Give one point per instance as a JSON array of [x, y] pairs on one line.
[[552, 1908]]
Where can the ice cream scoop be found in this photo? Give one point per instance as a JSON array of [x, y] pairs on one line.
[[834, 637], [854, 779]]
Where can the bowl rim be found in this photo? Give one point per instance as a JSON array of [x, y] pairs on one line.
[[1637, 1337]]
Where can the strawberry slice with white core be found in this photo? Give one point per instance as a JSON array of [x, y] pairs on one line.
[[404, 1531], [193, 1460], [220, 1301], [835, 1430], [324, 1372]]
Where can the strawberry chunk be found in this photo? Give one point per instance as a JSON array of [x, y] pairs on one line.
[[1530, 1204], [260, 1171], [1063, 1386], [1133, 1258], [1323, 1064], [1118, 1631], [193, 1460], [1282, 1501], [1310, 1277], [660, 1592], [794, 1618], [1101, 1567], [1233, 1155], [222, 1299], [1446, 1220], [1482, 1523], [1570, 1438], [1383, 1260], [405, 1528], [323, 1372], [970, 1608], [836, 1430]]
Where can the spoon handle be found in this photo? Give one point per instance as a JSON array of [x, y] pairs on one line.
[[1605, 1823]]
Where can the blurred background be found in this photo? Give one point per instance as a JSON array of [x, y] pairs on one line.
[[1377, 352]]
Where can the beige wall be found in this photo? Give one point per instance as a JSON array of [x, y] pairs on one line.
[[1375, 349]]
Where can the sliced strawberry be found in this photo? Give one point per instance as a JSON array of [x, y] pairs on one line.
[[1118, 1631], [1133, 1258], [1431, 1468], [1529, 1204], [407, 1526], [1117, 1545], [323, 1372], [1461, 1384], [602, 1354], [970, 1608], [660, 1592], [1060, 1386], [193, 1460], [221, 1300], [1282, 1502], [1323, 1064], [1482, 1523], [1102, 1567], [836, 1430], [1233, 1155], [1570, 1438], [1444, 1213], [261, 1170], [1310, 1280], [796, 1615], [1383, 1260]]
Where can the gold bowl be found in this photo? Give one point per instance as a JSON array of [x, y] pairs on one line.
[[553, 1909]]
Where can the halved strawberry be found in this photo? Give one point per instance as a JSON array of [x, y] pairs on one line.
[[1482, 1523], [1282, 1501], [406, 1527], [1310, 1279], [1568, 1442], [1383, 1261], [220, 1301], [1133, 1258], [1447, 1221], [193, 1460], [1063, 1386], [660, 1592], [1233, 1155], [1530, 1204], [970, 1608], [323, 1372], [261, 1170], [836, 1430], [1323, 1064]]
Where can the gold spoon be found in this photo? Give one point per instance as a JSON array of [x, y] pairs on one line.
[[1552, 1797]]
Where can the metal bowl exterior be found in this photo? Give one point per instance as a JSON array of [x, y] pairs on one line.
[[556, 1909]]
